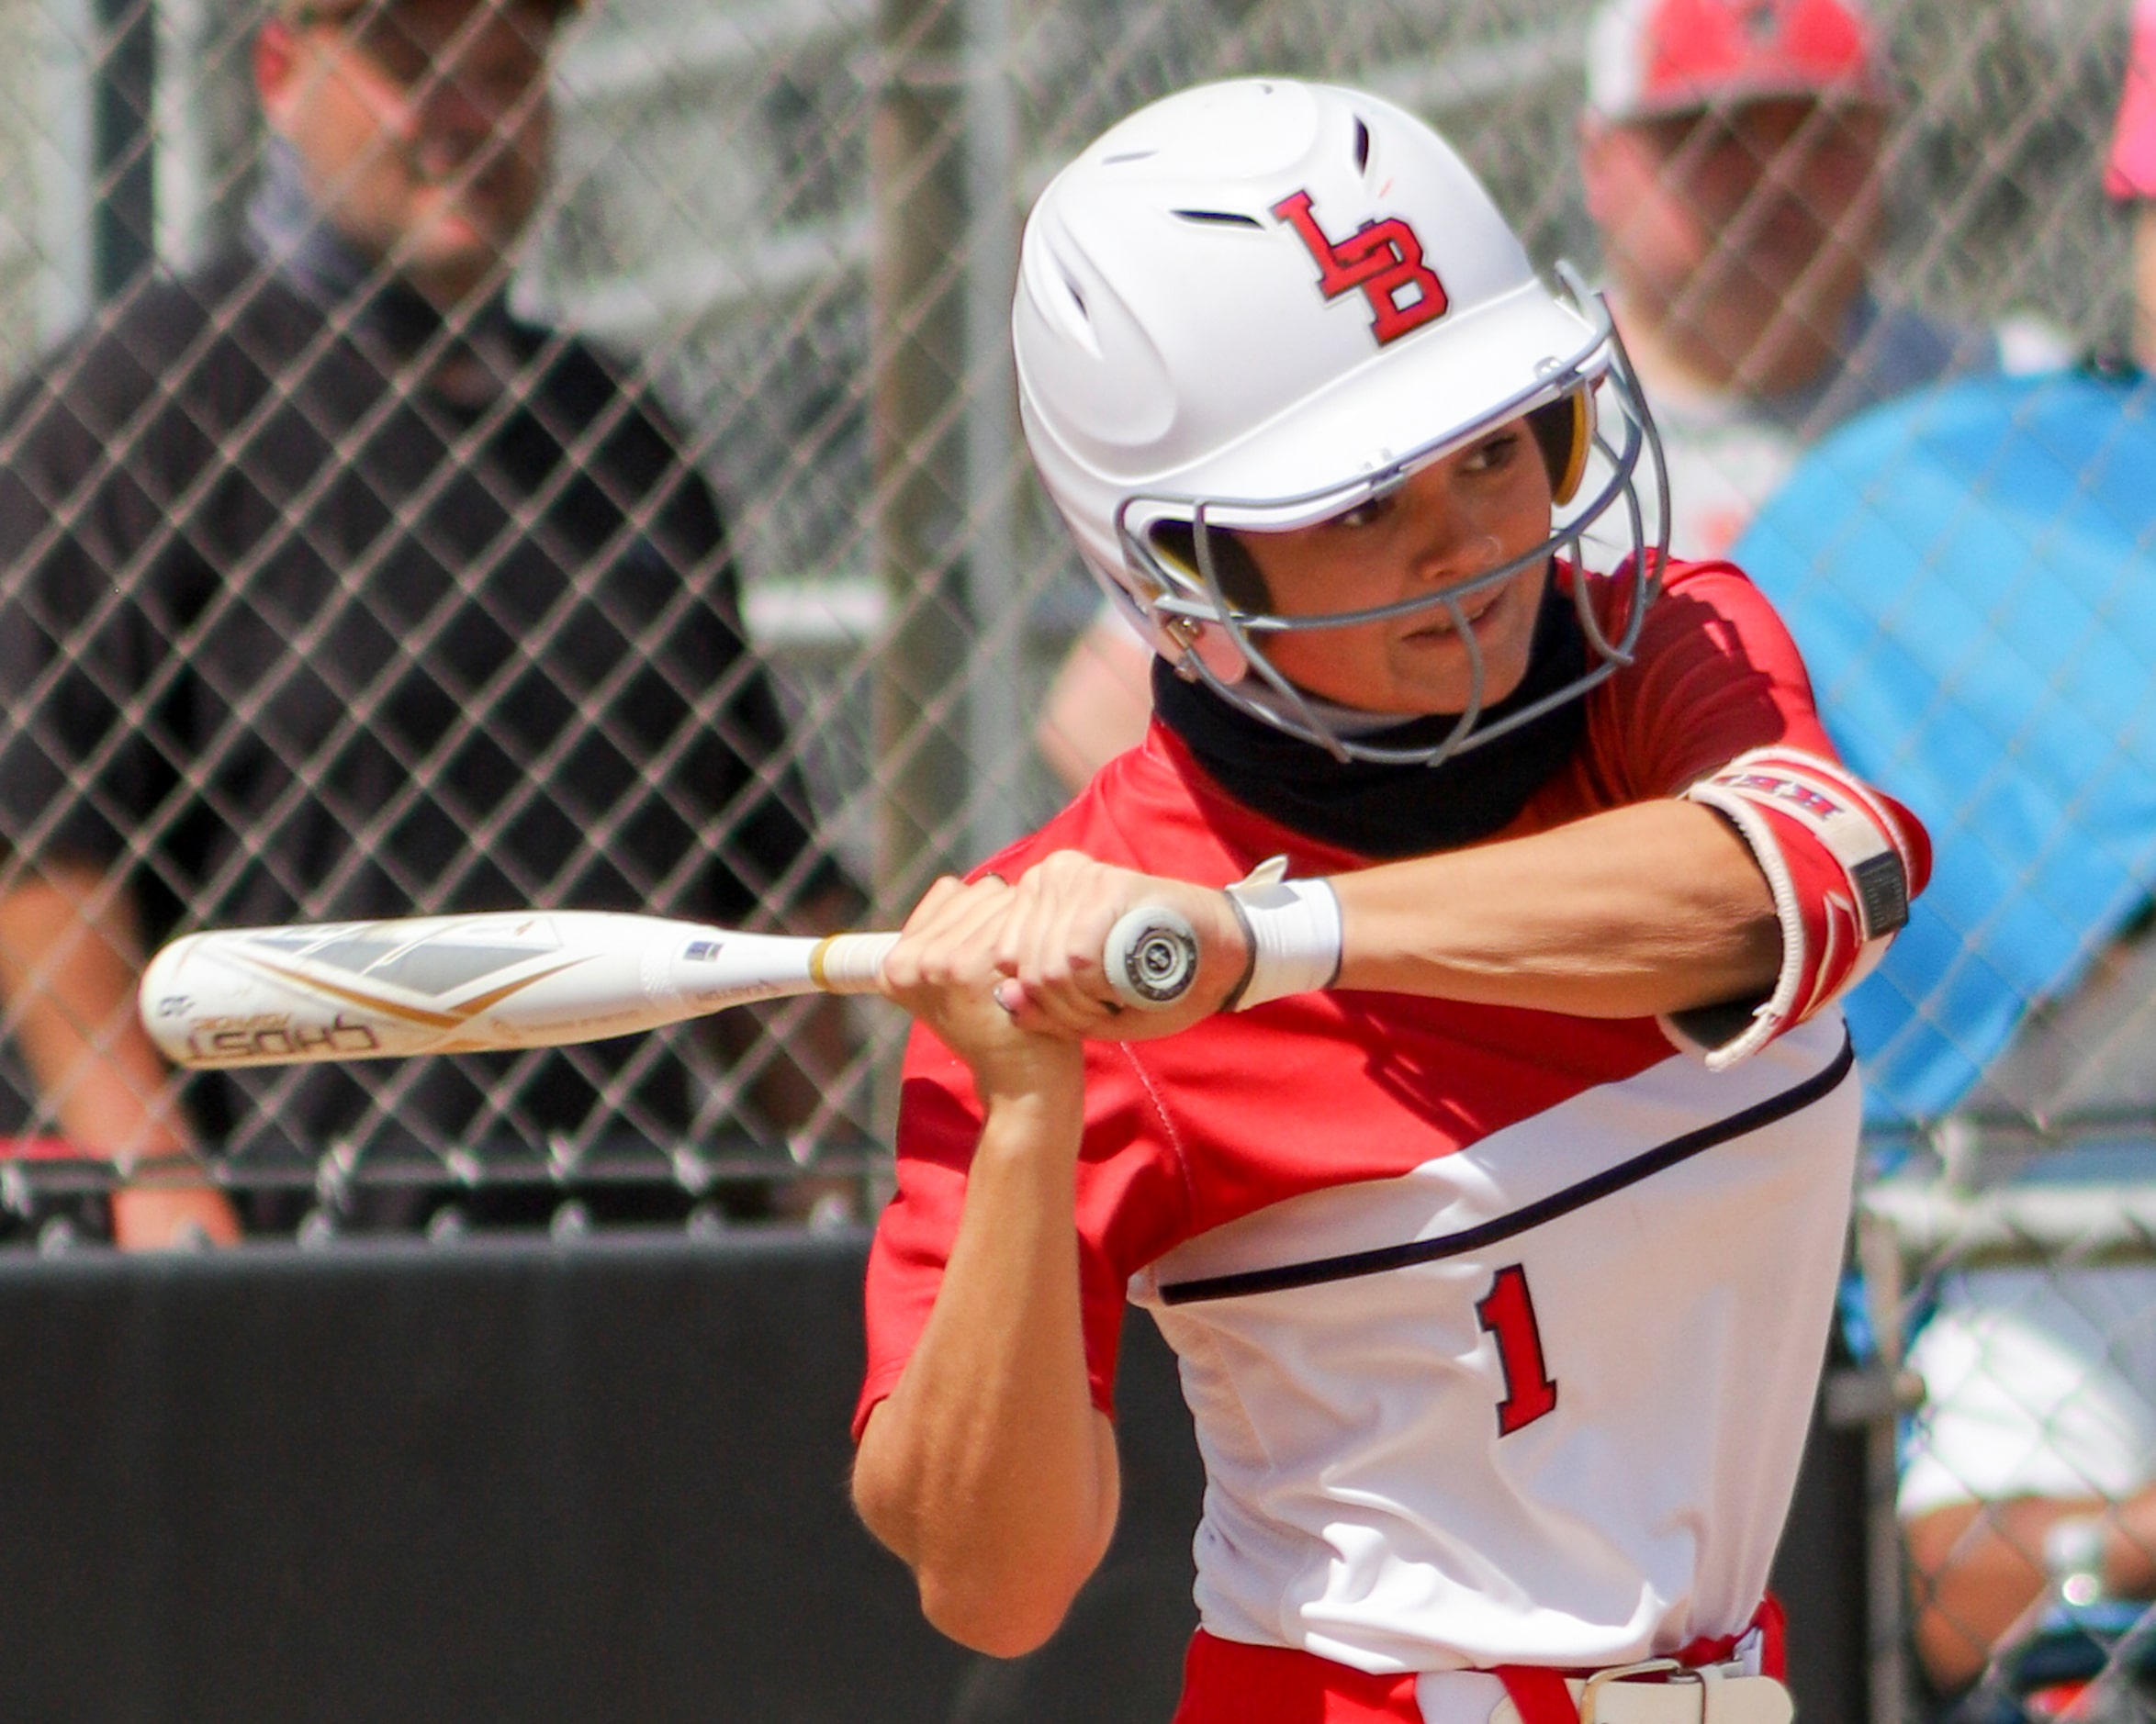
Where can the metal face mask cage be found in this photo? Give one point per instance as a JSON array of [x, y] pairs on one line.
[[1184, 608]]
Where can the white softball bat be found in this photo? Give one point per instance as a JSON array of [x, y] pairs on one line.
[[466, 984]]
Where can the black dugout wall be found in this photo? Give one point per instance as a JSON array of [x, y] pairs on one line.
[[555, 1484]]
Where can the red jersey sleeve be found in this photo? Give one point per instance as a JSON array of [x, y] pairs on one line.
[[1714, 673], [1131, 1197]]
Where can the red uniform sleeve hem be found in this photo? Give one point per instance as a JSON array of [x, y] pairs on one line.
[[874, 1393]]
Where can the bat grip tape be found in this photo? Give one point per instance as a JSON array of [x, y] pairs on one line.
[[850, 963]]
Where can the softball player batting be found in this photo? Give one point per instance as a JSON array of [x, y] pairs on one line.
[[1493, 1200]]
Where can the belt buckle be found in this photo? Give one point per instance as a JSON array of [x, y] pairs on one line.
[[1591, 1697]]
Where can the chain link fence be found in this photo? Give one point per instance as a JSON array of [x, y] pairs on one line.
[[781, 232]]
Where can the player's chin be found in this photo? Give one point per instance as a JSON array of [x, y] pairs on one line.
[[1436, 674]]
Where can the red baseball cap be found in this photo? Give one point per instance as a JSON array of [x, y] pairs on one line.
[[2131, 172], [1646, 58]]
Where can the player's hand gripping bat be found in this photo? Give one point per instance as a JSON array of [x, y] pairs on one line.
[[527, 978]]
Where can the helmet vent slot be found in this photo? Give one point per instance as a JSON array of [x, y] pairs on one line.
[[1220, 218], [1129, 156], [1361, 148]]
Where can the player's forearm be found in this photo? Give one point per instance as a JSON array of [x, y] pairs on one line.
[[1654, 907], [989, 1470]]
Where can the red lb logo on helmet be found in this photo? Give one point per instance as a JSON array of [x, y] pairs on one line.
[[1383, 260]]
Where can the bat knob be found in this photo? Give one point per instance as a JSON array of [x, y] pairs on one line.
[[1152, 957]]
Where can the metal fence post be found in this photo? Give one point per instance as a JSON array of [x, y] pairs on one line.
[[995, 450], [918, 322], [124, 213]]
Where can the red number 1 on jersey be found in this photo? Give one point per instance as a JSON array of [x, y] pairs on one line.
[[1507, 1314]]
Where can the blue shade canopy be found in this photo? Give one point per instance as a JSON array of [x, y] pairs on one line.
[[1971, 573]]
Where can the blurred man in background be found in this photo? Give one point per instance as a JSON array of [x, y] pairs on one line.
[[1731, 154], [335, 591]]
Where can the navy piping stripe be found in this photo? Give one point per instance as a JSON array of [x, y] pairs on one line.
[[1564, 1202]]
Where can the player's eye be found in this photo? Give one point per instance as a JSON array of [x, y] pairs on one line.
[[1494, 453], [1366, 513]]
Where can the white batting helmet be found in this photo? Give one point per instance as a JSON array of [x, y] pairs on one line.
[[1256, 305]]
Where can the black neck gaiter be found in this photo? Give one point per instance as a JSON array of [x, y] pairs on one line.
[[1393, 810]]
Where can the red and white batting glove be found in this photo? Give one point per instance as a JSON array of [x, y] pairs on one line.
[[1842, 860]]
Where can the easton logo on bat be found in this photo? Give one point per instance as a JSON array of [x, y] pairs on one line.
[[272, 1036]]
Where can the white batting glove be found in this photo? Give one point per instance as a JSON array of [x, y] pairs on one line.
[[1294, 932]]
